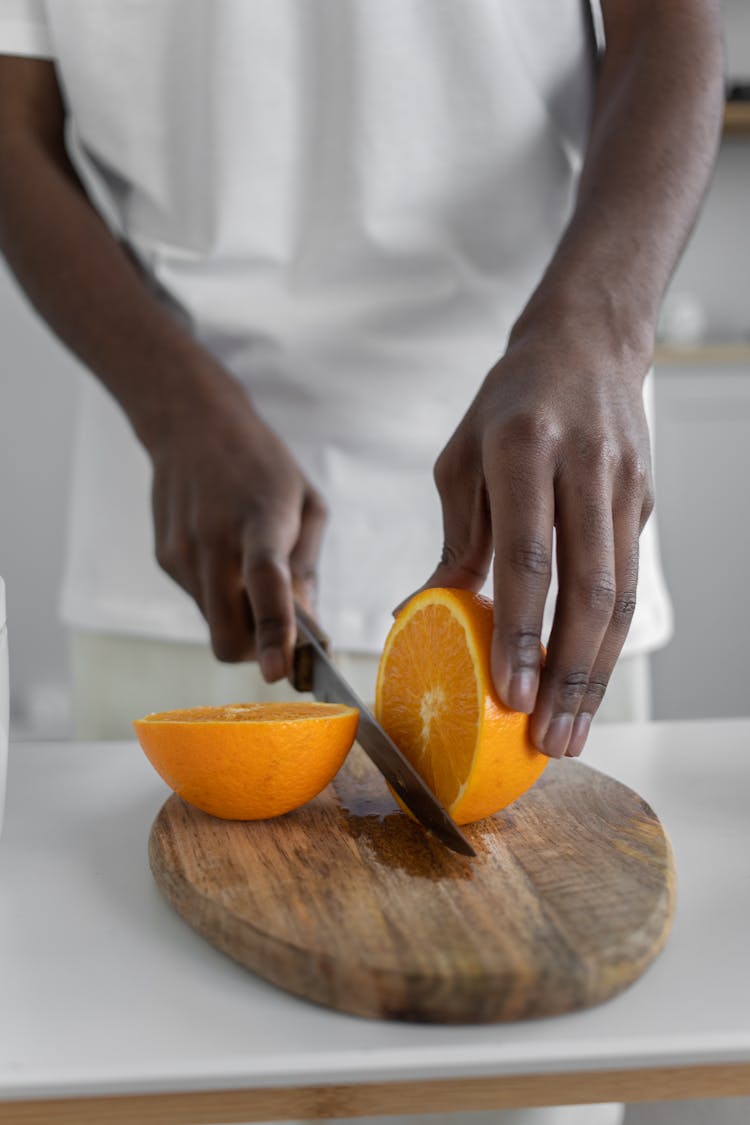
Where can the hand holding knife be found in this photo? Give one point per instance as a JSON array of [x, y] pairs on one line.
[[313, 671]]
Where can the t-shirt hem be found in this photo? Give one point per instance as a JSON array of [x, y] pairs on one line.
[[125, 620], [28, 38], [649, 640]]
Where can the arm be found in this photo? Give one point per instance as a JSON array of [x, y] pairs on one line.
[[556, 436], [236, 524]]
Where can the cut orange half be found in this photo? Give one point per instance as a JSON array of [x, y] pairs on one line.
[[249, 761], [436, 699]]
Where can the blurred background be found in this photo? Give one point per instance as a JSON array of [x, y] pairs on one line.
[[702, 459]]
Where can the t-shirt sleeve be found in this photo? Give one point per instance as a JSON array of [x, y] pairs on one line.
[[24, 29]]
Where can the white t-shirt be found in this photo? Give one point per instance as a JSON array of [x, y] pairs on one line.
[[349, 201]]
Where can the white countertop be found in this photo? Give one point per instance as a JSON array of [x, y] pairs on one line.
[[105, 991]]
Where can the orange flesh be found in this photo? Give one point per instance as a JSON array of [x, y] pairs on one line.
[[429, 701], [285, 712]]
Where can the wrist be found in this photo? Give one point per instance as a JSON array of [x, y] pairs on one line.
[[599, 322], [182, 392]]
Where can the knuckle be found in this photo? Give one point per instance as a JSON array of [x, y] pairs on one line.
[[531, 558], [443, 472], [264, 561], [600, 455], [523, 439], [272, 630], [597, 593], [163, 557], [173, 554], [457, 468], [304, 573], [465, 559], [526, 645], [635, 471], [572, 687], [214, 540], [624, 608], [532, 430], [315, 504], [449, 556], [602, 594], [217, 530], [596, 689]]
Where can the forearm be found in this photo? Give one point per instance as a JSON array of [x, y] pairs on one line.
[[654, 134], [90, 292]]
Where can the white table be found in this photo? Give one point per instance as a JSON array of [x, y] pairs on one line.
[[112, 1008]]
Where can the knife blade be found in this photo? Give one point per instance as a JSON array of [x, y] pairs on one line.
[[314, 671]]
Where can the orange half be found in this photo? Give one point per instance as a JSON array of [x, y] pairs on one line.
[[436, 699], [249, 761]]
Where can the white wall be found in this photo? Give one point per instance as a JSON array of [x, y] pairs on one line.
[[716, 265], [737, 38], [36, 421]]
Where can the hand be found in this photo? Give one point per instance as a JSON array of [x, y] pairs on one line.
[[237, 525], [556, 437]]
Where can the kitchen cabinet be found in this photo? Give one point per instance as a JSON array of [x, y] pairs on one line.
[[703, 448], [702, 471], [737, 118]]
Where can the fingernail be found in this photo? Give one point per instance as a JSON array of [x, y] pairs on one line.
[[272, 664], [522, 690], [579, 735], [558, 736]]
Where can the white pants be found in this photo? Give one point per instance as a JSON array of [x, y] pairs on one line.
[[117, 679]]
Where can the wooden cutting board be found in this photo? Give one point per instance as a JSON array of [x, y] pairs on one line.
[[348, 903]]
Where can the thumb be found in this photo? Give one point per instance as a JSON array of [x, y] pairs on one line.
[[467, 543]]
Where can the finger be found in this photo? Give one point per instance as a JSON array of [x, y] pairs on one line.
[[226, 607], [608, 655], [585, 603], [303, 560], [268, 582], [629, 517], [467, 539], [522, 506]]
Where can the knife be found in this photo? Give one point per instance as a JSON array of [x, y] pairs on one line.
[[313, 671]]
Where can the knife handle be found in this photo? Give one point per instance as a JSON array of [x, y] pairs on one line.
[[308, 630]]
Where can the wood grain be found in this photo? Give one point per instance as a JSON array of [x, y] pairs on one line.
[[728, 1080], [348, 903]]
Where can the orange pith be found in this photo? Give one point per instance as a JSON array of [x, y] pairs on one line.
[[436, 699], [249, 761]]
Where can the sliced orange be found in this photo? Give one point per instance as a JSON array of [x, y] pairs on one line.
[[249, 761], [436, 699]]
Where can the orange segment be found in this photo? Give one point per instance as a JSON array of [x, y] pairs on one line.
[[249, 761], [436, 699]]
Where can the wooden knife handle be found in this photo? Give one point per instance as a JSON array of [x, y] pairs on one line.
[[301, 676]]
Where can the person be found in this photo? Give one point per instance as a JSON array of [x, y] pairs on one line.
[[311, 250]]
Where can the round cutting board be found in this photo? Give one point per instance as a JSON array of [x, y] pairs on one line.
[[348, 903]]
